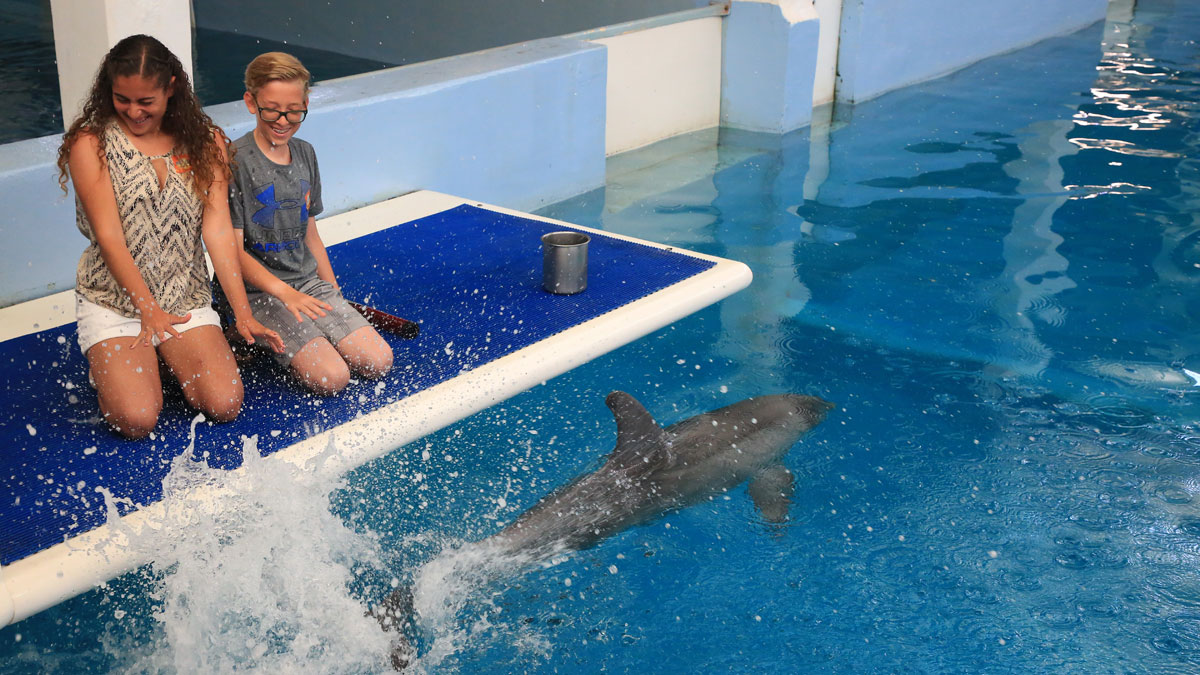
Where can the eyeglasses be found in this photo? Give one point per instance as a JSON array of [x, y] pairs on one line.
[[270, 114]]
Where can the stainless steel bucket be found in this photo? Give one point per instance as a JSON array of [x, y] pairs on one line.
[[564, 262]]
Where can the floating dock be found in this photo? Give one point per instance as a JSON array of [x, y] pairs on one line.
[[469, 273]]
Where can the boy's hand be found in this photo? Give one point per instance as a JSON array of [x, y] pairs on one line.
[[156, 324], [300, 304], [249, 328]]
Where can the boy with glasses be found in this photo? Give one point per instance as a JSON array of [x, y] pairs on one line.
[[274, 198]]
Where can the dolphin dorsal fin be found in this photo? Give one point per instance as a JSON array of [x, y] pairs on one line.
[[640, 440]]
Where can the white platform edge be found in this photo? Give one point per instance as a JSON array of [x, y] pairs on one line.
[[65, 570]]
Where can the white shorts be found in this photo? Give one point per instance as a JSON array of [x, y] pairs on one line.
[[96, 323]]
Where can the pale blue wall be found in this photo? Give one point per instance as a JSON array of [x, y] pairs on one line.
[[887, 44], [520, 127], [37, 223]]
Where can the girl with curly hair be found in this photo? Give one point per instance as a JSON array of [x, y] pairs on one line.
[[150, 172]]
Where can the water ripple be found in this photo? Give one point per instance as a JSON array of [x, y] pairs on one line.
[[1061, 615], [1184, 630], [1115, 416], [1177, 588], [1172, 494]]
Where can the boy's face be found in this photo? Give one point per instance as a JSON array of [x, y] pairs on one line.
[[277, 99]]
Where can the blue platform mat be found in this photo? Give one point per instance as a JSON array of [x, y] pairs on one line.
[[470, 276]]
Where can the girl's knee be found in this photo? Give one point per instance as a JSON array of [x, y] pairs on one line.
[[132, 420], [223, 406], [219, 401]]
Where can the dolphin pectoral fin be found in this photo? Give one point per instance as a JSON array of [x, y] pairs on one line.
[[639, 438], [772, 491]]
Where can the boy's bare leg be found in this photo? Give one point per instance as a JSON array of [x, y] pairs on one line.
[[319, 366], [202, 362], [127, 384], [366, 352]]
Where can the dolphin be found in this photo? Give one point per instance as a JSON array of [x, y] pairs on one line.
[[651, 471]]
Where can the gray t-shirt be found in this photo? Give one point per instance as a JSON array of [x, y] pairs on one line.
[[272, 202]]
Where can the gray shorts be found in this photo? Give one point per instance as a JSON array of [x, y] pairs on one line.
[[337, 323]]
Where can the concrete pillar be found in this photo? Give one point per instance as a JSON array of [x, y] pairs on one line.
[[769, 65], [84, 31], [830, 12]]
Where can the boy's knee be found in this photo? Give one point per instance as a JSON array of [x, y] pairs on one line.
[[327, 378], [378, 364]]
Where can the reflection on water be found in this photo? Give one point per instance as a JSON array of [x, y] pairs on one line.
[[994, 279], [1007, 311]]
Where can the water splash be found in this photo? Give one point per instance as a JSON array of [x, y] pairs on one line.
[[454, 601], [254, 573]]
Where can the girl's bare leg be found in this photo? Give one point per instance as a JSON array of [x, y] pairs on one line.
[[204, 365], [127, 384]]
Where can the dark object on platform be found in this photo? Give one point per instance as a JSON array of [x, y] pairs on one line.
[[389, 322]]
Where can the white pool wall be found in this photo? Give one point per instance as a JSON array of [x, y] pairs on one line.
[[662, 82], [532, 123]]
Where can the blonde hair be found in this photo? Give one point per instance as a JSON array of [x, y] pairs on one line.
[[275, 66]]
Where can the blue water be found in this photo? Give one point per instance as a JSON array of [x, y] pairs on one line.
[[995, 277], [31, 107]]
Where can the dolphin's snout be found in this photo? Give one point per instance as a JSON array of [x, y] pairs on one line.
[[813, 408]]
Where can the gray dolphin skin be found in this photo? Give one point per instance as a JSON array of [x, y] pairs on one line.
[[651, 472]]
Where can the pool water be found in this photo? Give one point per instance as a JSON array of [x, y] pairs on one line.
[[994, 275], [31, 107]]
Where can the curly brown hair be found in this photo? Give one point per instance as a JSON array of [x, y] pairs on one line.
[[185, 120]]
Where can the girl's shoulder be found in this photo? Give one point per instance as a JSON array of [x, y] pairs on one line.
[[87, 139], [92, 135]]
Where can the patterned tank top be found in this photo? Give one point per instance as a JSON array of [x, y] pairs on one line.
[[162, 232]]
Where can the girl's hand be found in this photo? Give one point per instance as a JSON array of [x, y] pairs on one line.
[[250, 328], [157, 324], [300, 304]]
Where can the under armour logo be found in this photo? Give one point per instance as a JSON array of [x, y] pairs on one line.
[[265, 217]]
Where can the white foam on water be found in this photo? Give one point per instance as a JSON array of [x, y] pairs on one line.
[[454, 597], [255, 574]]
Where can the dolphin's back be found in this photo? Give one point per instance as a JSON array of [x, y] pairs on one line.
[[653, 470]]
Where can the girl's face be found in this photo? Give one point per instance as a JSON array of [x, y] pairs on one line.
[[141, 103], [273, 105]]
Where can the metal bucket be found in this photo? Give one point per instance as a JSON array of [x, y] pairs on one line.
[[564, 262]]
